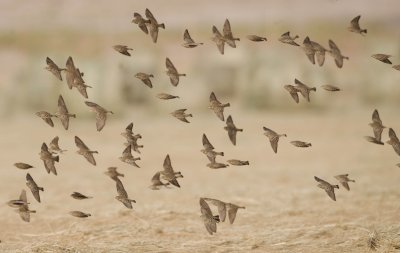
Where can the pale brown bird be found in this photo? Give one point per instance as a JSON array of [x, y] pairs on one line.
[[181, 115], [189, 42], [210, 221], [141, 22], [382, 57], [217, 165], [394, 141], [228, 36], [373, 140], [48, 159], [377, 125], [273, 138], [81, 87], [301, 144], [131, 138], [232, 211], [72, 75], [101, 114], [128, 131], [256, 38], [123, 195], [85, 151], [23, 210], [172, 72], [63, 113], [236, 162], [145, 78], [336, 54], [17, 203], [54, 147], [169, 174], [209, 149], [80, 214], [113, 173], [54, 69], [23, 166], [397, 67], [33, 187], [287, 39], [221, 206], [79, 196], [128, 158], [344, 179], [156, 182], [166, 96], [153, 25], [231, 129], [217, 106], [355, 26], [293, 92], [319, 52], [329, 188], [304, 89], [309, 49], [122, 49], [46, 117], [328, 87], [218, 39]]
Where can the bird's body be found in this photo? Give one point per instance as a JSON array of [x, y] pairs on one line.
[[54, 69], [217, 106], [208, 150], [328, 87], [181, 115], [145, 78], [382, 57], [273, 138], [377, 126], [329, 188], [48, 159], [84, 151], [123, 195], [344, 179], [23, 166], [218, 39], [54, 148], [394, 141], [141, 22], [236, 162], [122, 49], [355, 26], [169, 174], [304, 89], [63, 113], [156, 182], [80, 214], [153, 25], [172, 72], [231, 129], [33, 187], [128, 158], [301, 144], [228, 36], [217, 165], [101, 114], [256, 38], [287, 39], [79, 196], [210, 221], [189, 42], [336, 54], [165, 96], [46, 117]]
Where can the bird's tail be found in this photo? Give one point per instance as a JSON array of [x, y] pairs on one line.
[[73, 115], [162, 26], [132, 200], [56, 158], [314, 89], [364, 31], [220, 153], [189, 115], [239, 130], [94, 152], [31, 211], [295, 37], [226, 105], [151, 75], [336, 186], [216, 218], [246, 163], [182, 74], [41, 189]]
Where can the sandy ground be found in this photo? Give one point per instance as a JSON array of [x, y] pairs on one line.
[[285, 211]]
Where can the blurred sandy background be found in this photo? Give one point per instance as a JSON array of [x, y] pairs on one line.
[[285, 212]]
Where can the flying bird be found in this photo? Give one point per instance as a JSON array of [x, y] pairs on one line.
[[48, 159], [309, 49], [208, 149], [46, 117], [287, 39], [218, 39], [256, 38], [217, 165], [217, 106], [141, 22], [33, 187], [169, 174], [231, 129], [181, 115], [382, 57], [236, 162], [63, 113], [172, 72], [23, 166], [344, 179], [355, 26], [394, 141], [79, 196], [328, 87], [210, 221], [54, 69], [153, 25], [85, 151], [101, 114], [304, 89], [122, 49], [80, 214], [273, 138], [301, 144], [336, 54], [228, 36], [165, 96], [54, 147], [128, 158], [377, 126], [189, 42], [145, 78], [123, 195], [329, 188]]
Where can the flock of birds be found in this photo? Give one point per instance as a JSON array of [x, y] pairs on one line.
[[50, 154]]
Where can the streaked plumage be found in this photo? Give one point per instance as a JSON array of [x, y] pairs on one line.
[[256, 38], [231, 129], [236, 162], [304, 89], [319, 52], [145, 78], [293, 92], [336, 54], [228, 36], [301, 144], [189, 42], [172, 72], [217, 165], [287, 39], [80, 214], [382, 57], [128, 158], [355, 26], [46, 117], [48, 159], [63, 113], [85, 151], [153, 25], [156, 182], [344, 179], [373, 140], [218, 39], [377, 125], [328, 87], [309, 50], [166, 96], [113, 173], [169, 174], [123, 195], [329, 188], [54, 69], [101, 114], [273, 138], [217, 106], [141, 22], [33, 187], [394, 141], [221, 206], [181, 115], [209, 149], [122, 49], [54, 147], [23, 166], [210, 221], [79, 196]]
